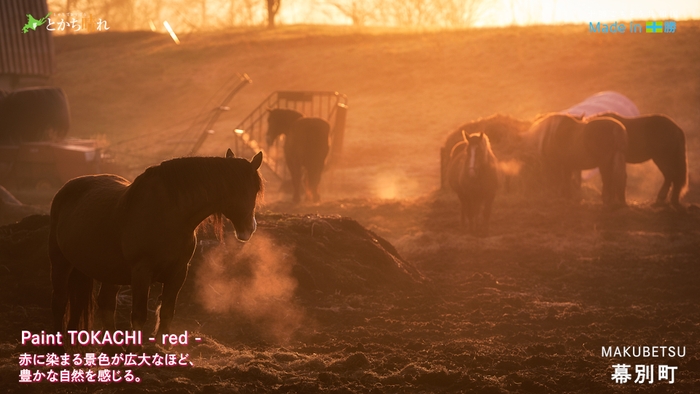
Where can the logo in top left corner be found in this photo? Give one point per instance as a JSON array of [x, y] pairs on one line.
[[33, 23]]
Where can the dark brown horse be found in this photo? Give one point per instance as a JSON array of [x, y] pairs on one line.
[[305, 147], [34, 114], [473, 175], [106, 229], [568, 145], [658, 138]]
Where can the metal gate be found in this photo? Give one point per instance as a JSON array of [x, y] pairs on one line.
[[250, 133]]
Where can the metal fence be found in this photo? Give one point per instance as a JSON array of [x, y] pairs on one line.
[[250, 133]]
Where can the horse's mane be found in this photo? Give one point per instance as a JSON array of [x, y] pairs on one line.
[[544, 123], [188, 180], [287, 114]]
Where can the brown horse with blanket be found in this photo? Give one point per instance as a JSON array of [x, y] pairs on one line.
[[568, 145]]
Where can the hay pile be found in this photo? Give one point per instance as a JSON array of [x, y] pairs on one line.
[[336, 253], [317, 254]]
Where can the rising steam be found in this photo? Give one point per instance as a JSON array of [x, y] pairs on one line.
[[252, 279], [510, 167]]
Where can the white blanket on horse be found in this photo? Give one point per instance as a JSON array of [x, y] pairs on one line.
[[604, 102]]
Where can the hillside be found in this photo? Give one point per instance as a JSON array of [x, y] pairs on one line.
[[406, 89]]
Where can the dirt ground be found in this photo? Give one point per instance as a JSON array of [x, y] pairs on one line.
[[524, 310]]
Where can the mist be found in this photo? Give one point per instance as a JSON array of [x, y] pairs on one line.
[[252, 280]]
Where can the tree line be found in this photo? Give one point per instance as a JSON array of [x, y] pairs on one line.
[[198, 15]]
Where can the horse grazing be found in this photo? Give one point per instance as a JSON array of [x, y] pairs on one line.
[[569, 144], [658, 138], [473, 174], [120, 233], [34, 114], [305, 147]]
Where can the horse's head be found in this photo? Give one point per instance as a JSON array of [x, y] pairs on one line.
[[478, 148], [241, 210], [279, 121]]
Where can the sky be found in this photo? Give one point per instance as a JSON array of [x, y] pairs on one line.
[[523, 12]]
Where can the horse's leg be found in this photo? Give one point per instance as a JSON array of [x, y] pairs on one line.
[[295, 172], [107, 302], [314, 180], [60, 270], [576, 184], [618, 179], [463, 211], [666, 186], [140, 285], [168, 298], [606, 176], [663, 192], [487, 214], [565, 176], [472, 208], [80, 296]]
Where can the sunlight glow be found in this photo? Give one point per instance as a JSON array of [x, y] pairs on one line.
[[491, 13]]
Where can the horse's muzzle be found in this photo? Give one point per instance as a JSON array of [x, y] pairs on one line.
[[244, 235]]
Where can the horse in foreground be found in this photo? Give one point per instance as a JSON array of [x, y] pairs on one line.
[[305, 147], [568, 145], [658, 138], [119, 233], [473, 174]]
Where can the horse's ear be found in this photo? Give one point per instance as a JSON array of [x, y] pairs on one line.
[[257, 161], [229, 154]]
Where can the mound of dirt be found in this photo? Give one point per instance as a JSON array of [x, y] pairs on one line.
[[12, 210], [24, 237]]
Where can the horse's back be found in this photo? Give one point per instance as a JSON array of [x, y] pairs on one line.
[[84, 221], [581, 145], [308, 139], [653, 136]]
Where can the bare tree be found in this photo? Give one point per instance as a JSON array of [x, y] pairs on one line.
[[359, 11], [272, 7]]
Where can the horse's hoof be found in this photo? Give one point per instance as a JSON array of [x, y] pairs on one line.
[[679, 208]]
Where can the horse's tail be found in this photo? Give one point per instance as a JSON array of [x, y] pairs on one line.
[[80, 301]]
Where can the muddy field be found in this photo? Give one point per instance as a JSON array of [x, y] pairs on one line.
[[316, 303]]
